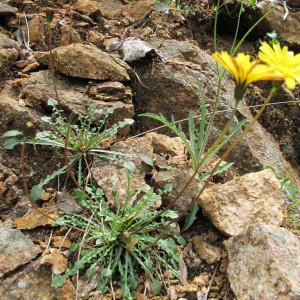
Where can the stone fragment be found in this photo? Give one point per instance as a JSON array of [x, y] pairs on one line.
[[138, 10], [85, 61], [7, 43], [170, 49], [36, 30], [14, 116], [113, 176], [9, 190], [92, 7], [264, 263], [135, 49], [67, 203], [177, 179], [15, 249], [286, 25], [7, 58], [35, 284], [57, 261], [7, 10], [95, 38], [110, 91], [245, 200], [163, 144], [287, 30], [211, 254], [68, 35]]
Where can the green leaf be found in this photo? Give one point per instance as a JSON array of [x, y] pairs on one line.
[[74, 247], [191, 217], [156, 286], [12, 133], [170, 214], [180, 240], [130, 166], [36, 192], [38, 189], [58, 281], [107, 272], [11, 143]]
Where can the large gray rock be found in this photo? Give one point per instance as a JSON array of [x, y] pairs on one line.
[[85, 61], [252, 198], [73, 97], [173, 48], [15, 249], [264, 263]]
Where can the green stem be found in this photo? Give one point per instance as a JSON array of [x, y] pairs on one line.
[[211, 148], [239, 138]]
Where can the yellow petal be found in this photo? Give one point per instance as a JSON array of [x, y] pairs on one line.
[[290, 83], [225, 60]]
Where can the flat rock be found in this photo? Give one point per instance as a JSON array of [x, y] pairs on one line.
[[249, 199], [15, 249], [264, 263], [74, 96], [173, 48], [85, 61]]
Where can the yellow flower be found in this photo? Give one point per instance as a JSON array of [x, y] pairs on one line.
[[244, 71], [283, 62]]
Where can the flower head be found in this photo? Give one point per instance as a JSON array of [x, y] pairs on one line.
[[282, 61], [244, 71]]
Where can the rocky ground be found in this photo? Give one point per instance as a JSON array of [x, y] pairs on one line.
[[243, 244]]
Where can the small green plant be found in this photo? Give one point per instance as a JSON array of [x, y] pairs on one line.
[[195, 142], [77, 137], [77, 133], [293, 194], [120, 242], [252, 3]]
